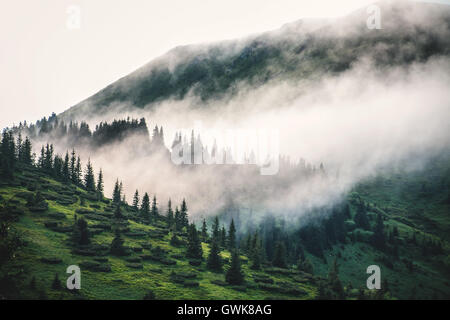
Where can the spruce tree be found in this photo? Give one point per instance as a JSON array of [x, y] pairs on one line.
[[194, 249], [80, 234], [136, 200], [214, 262], [100, 187], [234, 274], [89, 180], [170, 217], [73, 162], [204, 231], [223, 237], [117, 247], [334, 281], [232, 236], [118, 212], [65, 168], [378, 238], [145, 206], [178, 223], [78, 172], [154, 209], [117, 197], [279, 259], [184, 214]]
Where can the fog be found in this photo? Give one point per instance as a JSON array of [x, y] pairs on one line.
[[359, 123]]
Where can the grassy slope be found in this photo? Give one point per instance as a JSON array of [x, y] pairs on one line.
[[416, 203], [122, 282]]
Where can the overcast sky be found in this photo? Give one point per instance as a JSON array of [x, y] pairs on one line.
[[46, 66]]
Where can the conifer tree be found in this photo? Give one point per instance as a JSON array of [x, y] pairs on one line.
[[234, 274], [78, 172], [136, 200], [89, 180], [184, 214], [154, 209], [378, 238], [232, 236], [170, 217], [80, 234], [118, 212], [117, 196], [65, 168], [100, 187], [145, 206], [178, 223], [194, 249], [279, 259], [223, 237], [26, 152], [215, 230], [334, 281], [117, 247], [204, 231], [214, 262]]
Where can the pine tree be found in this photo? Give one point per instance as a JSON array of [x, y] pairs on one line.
[[100, 187], [117, 247], [170, 217], [89, 180], [184, 214], [335, 283], [117, 196], [178, 224], [194, 249], [65, 168], [279, 259], [73, 162], [232, 236], [145, 206], [80, 234], [214, 262], [154, 209], [304, 265], [78, 172], [204, 231], [136, 200], [26, 152], [234, 274], [118, 213], [215, 230], [378, 238], [223, 237]]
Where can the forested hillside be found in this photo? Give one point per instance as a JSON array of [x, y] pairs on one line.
[[54, 215]]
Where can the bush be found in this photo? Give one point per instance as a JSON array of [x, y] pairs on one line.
[[134, 265]]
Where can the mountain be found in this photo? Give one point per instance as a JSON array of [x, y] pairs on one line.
[[304, 50]]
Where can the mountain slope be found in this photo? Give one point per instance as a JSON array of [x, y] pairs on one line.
[[303, 50]]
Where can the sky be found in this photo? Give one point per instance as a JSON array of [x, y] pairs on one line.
[[52, 58]]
